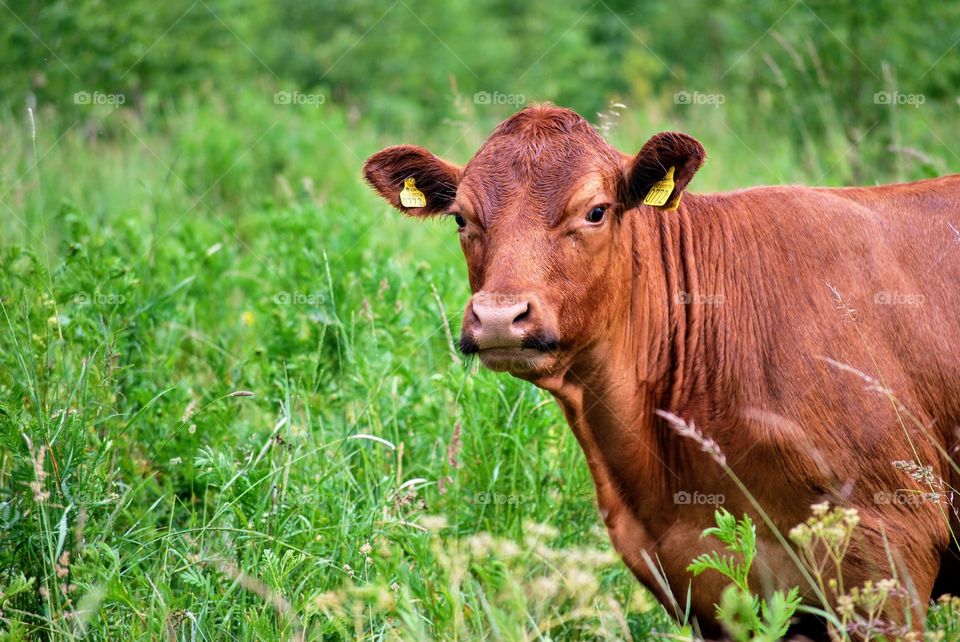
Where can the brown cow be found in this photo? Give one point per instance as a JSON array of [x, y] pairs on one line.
[[813, 334]]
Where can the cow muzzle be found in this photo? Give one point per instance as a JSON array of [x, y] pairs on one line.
[[506, 324]]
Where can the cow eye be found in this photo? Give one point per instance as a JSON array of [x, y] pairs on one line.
[[459, 220], [596, 214]]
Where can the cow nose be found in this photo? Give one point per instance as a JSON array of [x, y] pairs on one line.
[[501, 321]]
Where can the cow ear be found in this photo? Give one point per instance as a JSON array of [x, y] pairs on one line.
[[647, 171], [429, 184]]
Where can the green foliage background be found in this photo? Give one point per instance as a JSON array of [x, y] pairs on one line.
[[400, 64], [203, 237]]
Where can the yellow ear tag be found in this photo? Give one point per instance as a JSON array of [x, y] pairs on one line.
[[410, 196], [660, 191], [674, 203]]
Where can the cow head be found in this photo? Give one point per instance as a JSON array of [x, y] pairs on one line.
[[542, 213]]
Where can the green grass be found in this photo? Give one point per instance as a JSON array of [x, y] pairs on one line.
[[235, 364], [132, 314]]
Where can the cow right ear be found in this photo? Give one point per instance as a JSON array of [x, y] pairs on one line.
[[413, 180], [662, 169]]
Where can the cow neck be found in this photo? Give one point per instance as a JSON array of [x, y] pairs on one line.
[[686, 290], [654, 360]]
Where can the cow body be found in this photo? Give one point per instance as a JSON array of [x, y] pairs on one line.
[[770, 318], [811, 335]]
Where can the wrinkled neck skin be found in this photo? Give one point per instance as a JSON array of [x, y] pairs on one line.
[[652, 358]]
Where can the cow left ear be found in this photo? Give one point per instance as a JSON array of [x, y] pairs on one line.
[[648, 174], [413, 180]]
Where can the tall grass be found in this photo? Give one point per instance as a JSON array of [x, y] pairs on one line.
[[229, 404]]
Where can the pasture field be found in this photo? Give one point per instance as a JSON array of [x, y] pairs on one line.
[[230, 403], [232, 409], [231, 406]]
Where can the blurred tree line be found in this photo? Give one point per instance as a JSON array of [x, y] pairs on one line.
[[811, 64]]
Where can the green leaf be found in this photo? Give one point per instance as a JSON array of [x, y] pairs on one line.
[[726, 528], [18, 584], [746, 540], [739, 613], [778, 612], [738, 537], [713, 561]]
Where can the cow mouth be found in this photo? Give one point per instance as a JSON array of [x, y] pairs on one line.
[[534, 354]]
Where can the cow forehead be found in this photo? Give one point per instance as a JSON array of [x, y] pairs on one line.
[[545, 177], [540, 199], [535, 161], [533, 151]]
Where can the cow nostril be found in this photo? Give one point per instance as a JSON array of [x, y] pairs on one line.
[[523, 316]]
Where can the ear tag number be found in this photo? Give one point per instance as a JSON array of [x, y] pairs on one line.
[[660, 191], [410, 196]]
